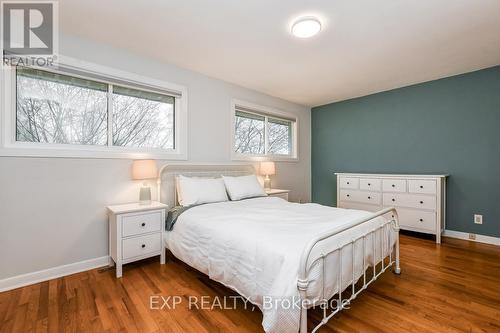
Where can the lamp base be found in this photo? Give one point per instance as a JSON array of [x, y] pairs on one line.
[[267, 183], [145, 196]]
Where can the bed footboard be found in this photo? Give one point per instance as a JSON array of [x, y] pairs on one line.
[[393, 255]]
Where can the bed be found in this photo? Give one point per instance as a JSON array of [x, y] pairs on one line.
[[284, 257]]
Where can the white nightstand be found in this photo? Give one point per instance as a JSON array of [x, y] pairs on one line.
[[278, 193], [136, 232]]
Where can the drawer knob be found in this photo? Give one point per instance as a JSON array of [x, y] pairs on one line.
[[421, 202], [143, 224], [369, 197], [369, 184], [393, 199], [348, 195], [421, 186], [143, 245], [348, 183], [421, 220], [392, 216], [393, 185]]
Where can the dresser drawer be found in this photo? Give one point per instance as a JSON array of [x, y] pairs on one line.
[[141, 224], [137, 246], [394, 185], [349, 182], [372, 198], [370, 184], [410, 200], [359, 206], [422, 186], [417, 219]]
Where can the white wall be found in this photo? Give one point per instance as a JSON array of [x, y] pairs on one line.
[[52, 210]]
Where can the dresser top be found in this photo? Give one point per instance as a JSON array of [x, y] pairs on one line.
[[391, 175]]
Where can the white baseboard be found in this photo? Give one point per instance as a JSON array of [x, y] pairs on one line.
[[52, 273], [479, 238]]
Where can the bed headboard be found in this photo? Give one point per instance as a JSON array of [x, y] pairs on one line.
[[166, 182]]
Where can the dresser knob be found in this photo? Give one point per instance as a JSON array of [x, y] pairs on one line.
[[421, 202], [348, 183], [143, 245], [369, 184], [421, 220], [369, 197], [393, 199], [393, 185], [348, 195], [143, 224], [421, 186], [392, 216]]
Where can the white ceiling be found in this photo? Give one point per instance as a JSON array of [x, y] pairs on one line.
[[365, 46]]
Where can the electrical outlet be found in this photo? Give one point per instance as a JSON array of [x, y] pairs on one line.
[[478, 219], [472, 236]]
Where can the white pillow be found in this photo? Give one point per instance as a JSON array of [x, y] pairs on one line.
[[243, 187], [195, 191]]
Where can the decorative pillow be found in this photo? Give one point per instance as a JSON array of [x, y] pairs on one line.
[[243, 187], [195, 191]]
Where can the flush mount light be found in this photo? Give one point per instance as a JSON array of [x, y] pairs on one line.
[[306, 27]]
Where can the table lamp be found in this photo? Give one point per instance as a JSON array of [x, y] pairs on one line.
[[143, 170], [267, 169]]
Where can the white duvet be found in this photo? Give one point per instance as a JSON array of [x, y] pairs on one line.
[[254, 246]]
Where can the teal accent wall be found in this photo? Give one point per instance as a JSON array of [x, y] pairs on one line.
[[450, 125]]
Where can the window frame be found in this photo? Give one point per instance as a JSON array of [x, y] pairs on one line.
[[9, 146], [266, 112]]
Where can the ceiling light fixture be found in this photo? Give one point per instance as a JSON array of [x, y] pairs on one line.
[[306, 27]]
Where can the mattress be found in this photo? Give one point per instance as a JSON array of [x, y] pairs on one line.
[[254, 247]]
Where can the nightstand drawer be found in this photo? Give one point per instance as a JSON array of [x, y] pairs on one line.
[[141, 224], [137, 246]]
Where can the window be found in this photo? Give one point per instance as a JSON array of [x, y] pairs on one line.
[[249, 133], [65, 109], [280, 136], [259, 131], [142, 119], [54, 108]]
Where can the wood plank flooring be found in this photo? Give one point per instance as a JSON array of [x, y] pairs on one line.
[[454, 287]]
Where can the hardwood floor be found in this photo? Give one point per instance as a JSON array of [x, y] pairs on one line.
[[454, 287]]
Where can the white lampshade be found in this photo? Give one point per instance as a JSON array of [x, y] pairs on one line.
[[267, 168], [144, 169]]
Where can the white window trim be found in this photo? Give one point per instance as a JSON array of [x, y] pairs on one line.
[[235, 156], [10, 147]]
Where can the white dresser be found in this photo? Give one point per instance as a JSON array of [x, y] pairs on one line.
[[418, 199]]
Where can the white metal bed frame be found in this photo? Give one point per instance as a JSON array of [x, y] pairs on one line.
[[169, 196], [302, 281]]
